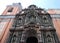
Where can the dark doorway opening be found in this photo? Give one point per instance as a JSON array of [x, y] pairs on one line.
[[32, 40]]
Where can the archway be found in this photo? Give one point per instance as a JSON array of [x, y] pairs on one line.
[[32, 40]]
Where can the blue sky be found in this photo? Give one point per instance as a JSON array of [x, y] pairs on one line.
[[47, 4]]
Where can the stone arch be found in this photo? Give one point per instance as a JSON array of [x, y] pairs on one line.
[[32, 39]]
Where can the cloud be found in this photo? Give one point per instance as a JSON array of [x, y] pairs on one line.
[[26, 3], [4, 3]]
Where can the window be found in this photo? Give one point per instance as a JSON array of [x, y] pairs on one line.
[[10, 10], [45, 20], [49, 40], [49, 37]]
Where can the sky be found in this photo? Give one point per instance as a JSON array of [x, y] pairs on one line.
[[47, 4]]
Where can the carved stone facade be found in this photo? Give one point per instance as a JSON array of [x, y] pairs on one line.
[[33, 25]]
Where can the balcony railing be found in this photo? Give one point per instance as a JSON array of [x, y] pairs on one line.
[[7, 16], [13, 16]]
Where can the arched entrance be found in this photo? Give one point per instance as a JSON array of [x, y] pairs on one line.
[[32, 40]]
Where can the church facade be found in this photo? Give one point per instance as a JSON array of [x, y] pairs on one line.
[[32, 25]]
